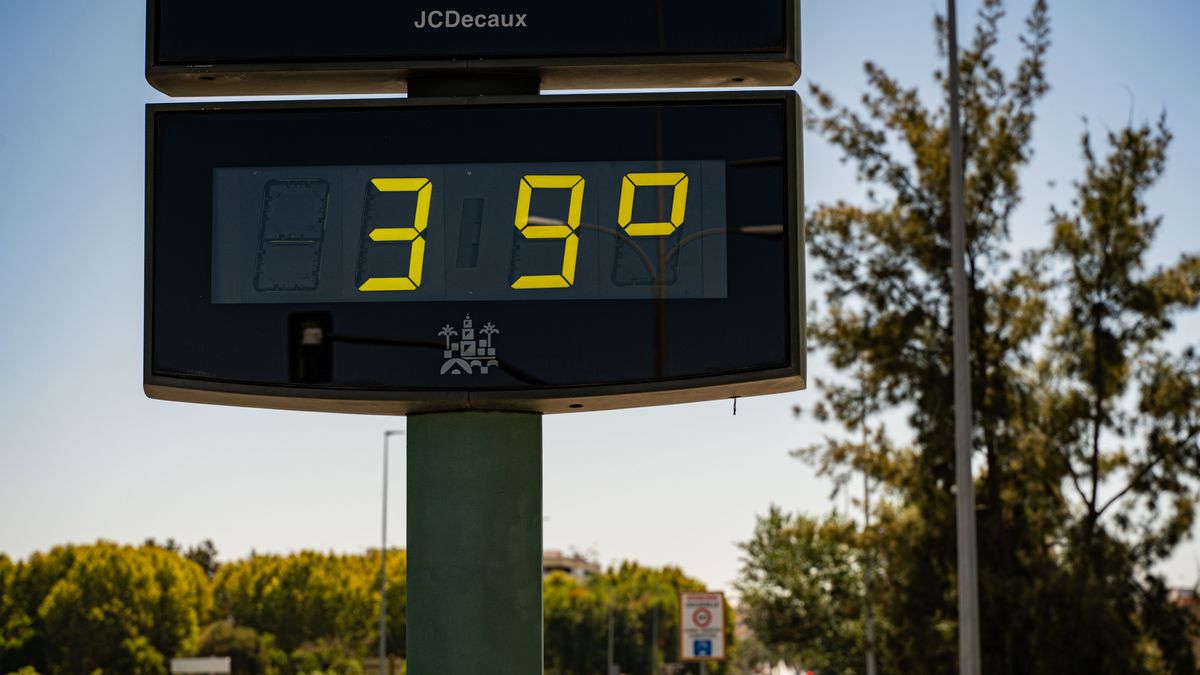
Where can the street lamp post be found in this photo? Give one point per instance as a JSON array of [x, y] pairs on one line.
[[611, 668], [968, 583], [383, 560]]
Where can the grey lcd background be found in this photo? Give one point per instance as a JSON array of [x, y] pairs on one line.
[[473, 250], [292, 233]]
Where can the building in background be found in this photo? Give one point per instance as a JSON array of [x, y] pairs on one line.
[[573, 565]]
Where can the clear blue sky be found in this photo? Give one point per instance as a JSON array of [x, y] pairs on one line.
[[83, 453]]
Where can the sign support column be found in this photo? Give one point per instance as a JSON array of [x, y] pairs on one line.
[[475, 543]]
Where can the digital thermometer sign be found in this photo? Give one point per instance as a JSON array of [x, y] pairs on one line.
[[521, 253]]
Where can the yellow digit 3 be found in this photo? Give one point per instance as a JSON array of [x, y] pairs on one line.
[[416, 259], [566, 231]]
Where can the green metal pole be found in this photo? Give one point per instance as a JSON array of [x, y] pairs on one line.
[[474, 543]]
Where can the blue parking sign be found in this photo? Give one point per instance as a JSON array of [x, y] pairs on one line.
[[702, 648]]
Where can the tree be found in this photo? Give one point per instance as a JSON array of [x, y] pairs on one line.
[[107, 607], [204, 554], [1085, 423], [251, 653], [572, 615], [801, 585], [1111, 341], [640, 598], [305, 597], [752, 657], [397, 600], [326, 655], [16, 626], [1132, 464], [886, 325]]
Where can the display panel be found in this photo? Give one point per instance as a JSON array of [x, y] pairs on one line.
[[244, 192], [312, 46], [517, 231], [219, 31]]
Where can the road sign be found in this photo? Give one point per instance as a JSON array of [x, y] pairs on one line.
[[548, 254], [234, 47], [702, 626], [204, 665]]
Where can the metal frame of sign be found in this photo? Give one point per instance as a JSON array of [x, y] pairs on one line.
[[744, 69], [547, 400], [698, 659]]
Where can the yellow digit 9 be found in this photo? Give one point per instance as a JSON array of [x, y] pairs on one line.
[[416, 259], [565, 231], [678, 203]]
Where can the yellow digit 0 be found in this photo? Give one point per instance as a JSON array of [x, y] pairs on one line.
[[565, 231], [678, 203], [416, 261]]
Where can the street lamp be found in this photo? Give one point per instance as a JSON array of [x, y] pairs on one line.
[[383, 559], [968, 564]]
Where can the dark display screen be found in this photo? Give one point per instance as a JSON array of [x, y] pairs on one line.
[[387, 250], [519, 231], [222, 31]]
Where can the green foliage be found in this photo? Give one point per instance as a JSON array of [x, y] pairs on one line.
[[102, 607], [1109, 342], [751, 654], [252, 653], [308, 596], [1085, 423], [128, 610], [16, 625], [801, 582], [640, 598], [204, 554], [326, 655], [572, 614], [119, 609], [397, 601]]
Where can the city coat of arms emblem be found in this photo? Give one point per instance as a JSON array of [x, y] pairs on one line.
[[468, 354]]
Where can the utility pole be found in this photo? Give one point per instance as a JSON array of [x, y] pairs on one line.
[[654, 642], [610, 637], [868, 559], [968, 583], [868, 562]]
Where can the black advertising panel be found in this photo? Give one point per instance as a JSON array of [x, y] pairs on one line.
[[220, 47], [526, 253]]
